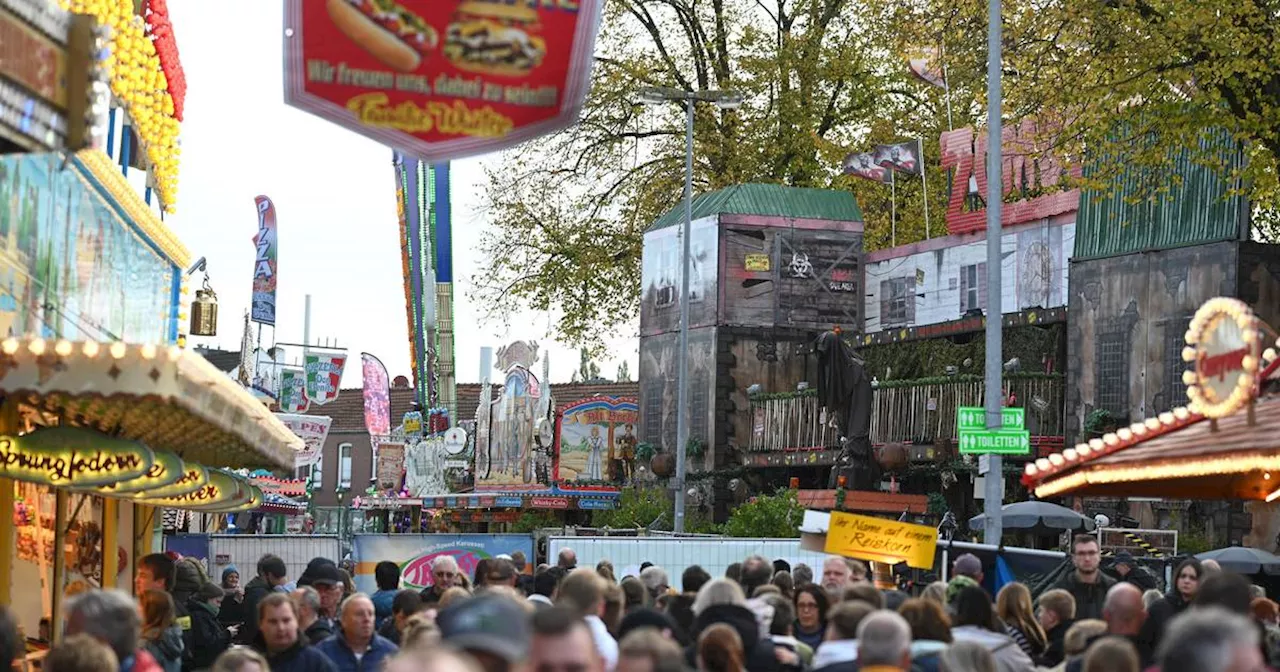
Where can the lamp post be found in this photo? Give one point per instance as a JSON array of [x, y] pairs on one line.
[[725, 100], [342, 513]]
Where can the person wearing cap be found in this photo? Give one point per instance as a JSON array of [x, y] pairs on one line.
[[208, 637], [1129, 571], [491, 628], [328, 581], [357, 647], [968, 565]]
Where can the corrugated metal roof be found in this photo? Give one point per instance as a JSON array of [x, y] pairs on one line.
[[1198, 210], [771, 200]]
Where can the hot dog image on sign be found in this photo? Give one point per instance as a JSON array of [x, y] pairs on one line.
[[441, 79]]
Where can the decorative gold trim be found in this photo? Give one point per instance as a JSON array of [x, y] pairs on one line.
[[1232, 464], [142, 216]]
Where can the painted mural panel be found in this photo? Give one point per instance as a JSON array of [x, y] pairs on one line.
[[70, 265], [596, 440], [659, 391], [927, 284], [660, 277], [513, 461]]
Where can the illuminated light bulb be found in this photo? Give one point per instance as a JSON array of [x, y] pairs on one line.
[[1111, 440], [1151, 424], [1269, 354], [1249, 336], [118, 350], [1096, 444], [36, 346], [1071, 454], [175, 353], [1194, 406], [148, 351], [91, 349], [10, 346], [1245, 380], [1139, 429], [63, 348], [1189, 377], [1125, 434], [1083, 450], [1188, 354], [1249, 363], [1057, 460], [1191, 337], [1266, 476], [1181, 413], [1030, 469], [1042, 464], [1166, 418], [1193, 392]]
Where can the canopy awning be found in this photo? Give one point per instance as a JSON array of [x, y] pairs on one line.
[[162, 396]]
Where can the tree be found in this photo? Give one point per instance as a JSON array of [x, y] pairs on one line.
[[650, 508], [776, 516], [566, 213], [624, 372]]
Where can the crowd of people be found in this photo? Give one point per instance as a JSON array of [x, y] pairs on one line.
[[761, 616]]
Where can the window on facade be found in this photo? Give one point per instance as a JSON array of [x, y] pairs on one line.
[[652, 425], [698, 409], [344, 465], [973, 287], [898, 301], [1112, 373], [313, 470], [1175, 391]]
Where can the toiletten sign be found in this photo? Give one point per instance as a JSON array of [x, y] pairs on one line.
[[441, 79], [881, 540]]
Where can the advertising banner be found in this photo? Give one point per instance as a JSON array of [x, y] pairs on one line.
[[441, 79], [377, 395], [414, 553], [264, 268], [324, 376], [312, 429], [511, 460], [390, 465], [596, 440], [293, 390]]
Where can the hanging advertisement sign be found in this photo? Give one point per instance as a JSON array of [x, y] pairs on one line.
[[264, 267], [70, 457], [194, 477], [441, 79], [1223, 341], [293, 390], [414, 554], [166, 470], [390, 465], [324, 375], [313, 430], [377, 395]]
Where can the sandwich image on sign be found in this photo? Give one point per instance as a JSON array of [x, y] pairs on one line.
[[390, 33], [494, 39]]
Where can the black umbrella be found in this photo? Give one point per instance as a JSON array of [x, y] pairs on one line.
[[1036, 515], [1243, 560]]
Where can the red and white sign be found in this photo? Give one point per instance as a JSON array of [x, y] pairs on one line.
[[441, 79], [1223, 342], [313, 430], [549, 502]]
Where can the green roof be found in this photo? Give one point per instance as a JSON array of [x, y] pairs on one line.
[[769, 200], [1201, 207]]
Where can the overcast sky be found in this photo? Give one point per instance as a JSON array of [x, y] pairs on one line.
[[334, 193]]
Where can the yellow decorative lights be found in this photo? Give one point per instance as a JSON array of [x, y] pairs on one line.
[[139, 83], [1191, 468], [1223, 343]]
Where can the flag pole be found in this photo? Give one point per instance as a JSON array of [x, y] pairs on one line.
[[893, 208], [924, 188]]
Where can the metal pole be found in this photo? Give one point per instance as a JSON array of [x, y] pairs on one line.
[[994, 483], [682, 355]]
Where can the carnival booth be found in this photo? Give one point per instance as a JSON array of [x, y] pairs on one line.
[[94, 439], [1224, 444]]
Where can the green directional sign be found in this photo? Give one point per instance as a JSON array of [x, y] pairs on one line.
[[975, 418], [997, 441]]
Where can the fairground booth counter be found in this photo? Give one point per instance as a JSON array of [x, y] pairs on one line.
[[1223, 445]]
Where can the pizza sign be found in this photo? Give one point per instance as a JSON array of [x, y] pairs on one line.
[[1222, 342], [441, 79]]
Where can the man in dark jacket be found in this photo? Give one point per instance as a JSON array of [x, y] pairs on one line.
[[272, 572], [1087, 583], [840, 651], [208, 638], [357, 647], [278, 638], [1056, 611], [315, 628], [403, 607], [1124, 613], [1130, 571]]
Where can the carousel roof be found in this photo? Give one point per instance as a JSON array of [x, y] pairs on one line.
[[163, 396]]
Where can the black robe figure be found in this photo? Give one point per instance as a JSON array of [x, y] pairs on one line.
[[844, 389]]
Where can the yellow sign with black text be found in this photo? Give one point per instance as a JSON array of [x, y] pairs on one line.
[[881, 540], [67, 457]]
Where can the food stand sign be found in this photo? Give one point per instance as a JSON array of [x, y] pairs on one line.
[[167, 469], [441, 79], [67, 457], [194, 476], [881, 540], [1222, 342]]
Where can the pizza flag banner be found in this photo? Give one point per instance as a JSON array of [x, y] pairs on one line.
[[293, 390], [441, 79], [324, 375]]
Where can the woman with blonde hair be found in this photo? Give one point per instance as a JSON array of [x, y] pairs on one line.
[[936, 592], [161, 636], [1013, 606], [720, 650], [240, 659]]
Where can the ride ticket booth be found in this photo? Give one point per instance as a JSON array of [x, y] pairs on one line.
[[95, 438]]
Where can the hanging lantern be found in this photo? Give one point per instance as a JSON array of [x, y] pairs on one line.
[[204, 312]]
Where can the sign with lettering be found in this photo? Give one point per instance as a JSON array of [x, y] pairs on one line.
[[1222, 341], [596, 439], [441, 79], [67, 457], [165, 470], [975, 418], [222, 491], [881, 540], [756, 263], [194, 476], [549, 502]]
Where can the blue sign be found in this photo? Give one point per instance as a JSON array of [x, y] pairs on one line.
[[596, 504], [508, 502]]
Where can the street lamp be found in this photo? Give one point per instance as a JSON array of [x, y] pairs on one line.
[[342, 492], [725, 100]]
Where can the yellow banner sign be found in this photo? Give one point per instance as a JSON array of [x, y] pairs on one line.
[[166, 470], [67, 457], [221, 489], [194, 476], [881, 540]]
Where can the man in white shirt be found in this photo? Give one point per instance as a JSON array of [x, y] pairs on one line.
[[582, 592]]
